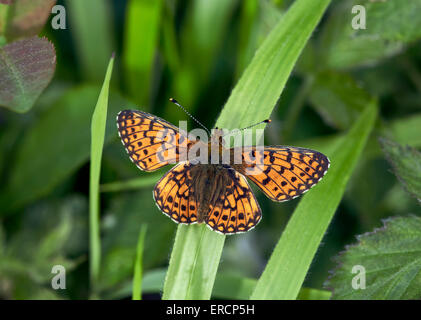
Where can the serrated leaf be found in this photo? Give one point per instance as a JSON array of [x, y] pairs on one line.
[[391, 258], [26, 18], [406, 163], [346, 47], [26, 68]]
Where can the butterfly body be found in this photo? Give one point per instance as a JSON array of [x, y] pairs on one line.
[[212, 188]]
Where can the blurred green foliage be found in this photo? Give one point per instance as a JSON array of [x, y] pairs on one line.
[[195, 51]]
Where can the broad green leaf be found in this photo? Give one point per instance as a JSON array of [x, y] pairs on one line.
[[41, 149], [344, 47], [98, 127], [406, 163], [387, 262], [193, 263], [26, 18], [92, 31], [197, 250], [138, 265], [337, 98], [288, 265], [26, 68], [141, 38]]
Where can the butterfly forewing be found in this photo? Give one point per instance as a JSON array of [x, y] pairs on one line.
[[150, 141], [283, 173]]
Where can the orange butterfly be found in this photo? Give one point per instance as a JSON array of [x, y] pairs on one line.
[[217, 194]]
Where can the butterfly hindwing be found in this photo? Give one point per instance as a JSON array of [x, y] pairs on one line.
[[234, 209], [174, 196], [283, 173]]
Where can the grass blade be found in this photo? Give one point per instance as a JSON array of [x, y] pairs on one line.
[[99, 119], [197, 250], [137, 279], [289, 263], [265, 77], [140, 41]]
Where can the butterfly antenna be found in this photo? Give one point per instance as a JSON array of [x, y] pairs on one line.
[[253, 125], [189, 114]]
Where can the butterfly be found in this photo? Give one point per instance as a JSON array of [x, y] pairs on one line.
[[197, 191]]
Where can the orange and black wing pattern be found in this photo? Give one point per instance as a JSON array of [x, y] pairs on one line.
[[150, 141], [283, 173], [174, 196], [234, 209]]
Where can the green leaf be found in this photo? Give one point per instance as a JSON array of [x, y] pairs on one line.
[[201, 37], [391, 259], [41, 151], [26, 68], [264, 79], [403, 21], [128, 211], [26, 18], [141, 38], [227, 286], [197, 250], [337, 98], [313, 294], [40, 242], [406, 163], [288, 265], [132, 184], [344, 47], [138, 265], [92, 31], [98, 126]]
